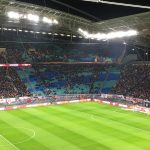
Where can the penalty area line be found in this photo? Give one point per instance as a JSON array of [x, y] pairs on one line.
[[2, 137]]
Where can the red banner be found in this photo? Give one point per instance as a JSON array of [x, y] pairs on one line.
[[15, 65]]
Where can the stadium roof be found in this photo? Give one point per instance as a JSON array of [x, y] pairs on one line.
[[69, 23], [140, 22], [91, 10]]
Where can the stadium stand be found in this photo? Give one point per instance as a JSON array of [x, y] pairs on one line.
[[42, 80], [68, 79], [80, 79], [10, 84], [35, 53], [134, 81]]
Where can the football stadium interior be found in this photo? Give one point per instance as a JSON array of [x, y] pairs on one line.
[[74, 75]]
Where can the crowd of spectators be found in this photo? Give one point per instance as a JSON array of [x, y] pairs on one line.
[[14, 56], [2, 57], [10, 84], [11, 56], [134, 81], [52, 53], [74, 79]]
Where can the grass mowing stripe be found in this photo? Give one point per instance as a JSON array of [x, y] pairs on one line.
[[68, 130], [125, 135], [49, 137], [115, 117], [14, 122], [87, 125], [99, 115], [131, 116], [8, 131], [7, 141], [5, 144], [136, 116], [13, 130], [41, 135], [76, 129], [138, 123], [92, 130]]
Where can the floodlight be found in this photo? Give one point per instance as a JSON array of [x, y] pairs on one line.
[[32, 17], [55, 21], [47, 20], [111, 35], [25, 16], [13, 15]]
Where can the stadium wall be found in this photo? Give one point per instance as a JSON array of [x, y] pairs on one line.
[[124, 106]]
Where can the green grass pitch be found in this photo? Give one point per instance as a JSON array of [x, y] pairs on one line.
[[78, 126]]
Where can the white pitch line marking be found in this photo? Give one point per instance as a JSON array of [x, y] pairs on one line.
[[26, 139], [9, 142]]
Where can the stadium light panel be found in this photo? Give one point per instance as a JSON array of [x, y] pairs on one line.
[[25, 16], [13, 15], [32, 17], [111, 35], [55, 21], [47, 20]]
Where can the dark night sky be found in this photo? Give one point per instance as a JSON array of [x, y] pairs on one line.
[[101, 11]]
